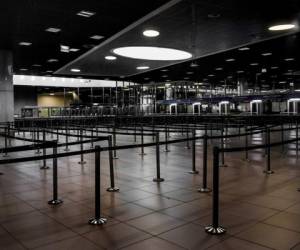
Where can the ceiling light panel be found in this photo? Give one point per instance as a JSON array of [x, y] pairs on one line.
[[96, 37], [151, 33], [86, 13], [25, 43], [282, 27], [53, 30]]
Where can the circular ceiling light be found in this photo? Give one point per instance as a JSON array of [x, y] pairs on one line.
[[142, 67], [151, 33], [152, 53], [110, 58], [75, 70], [282, 27]]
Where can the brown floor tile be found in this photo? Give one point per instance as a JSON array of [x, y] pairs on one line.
[[157, 202], [294, 209], [153, 244], [77, 243], [14, 209], [7, 242], [116, 236], [155, 223], [236, 244], [287, 220], [127, 212], [192, 237], [270, 236]]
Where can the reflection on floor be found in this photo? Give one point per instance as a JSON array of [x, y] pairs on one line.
[[259, 211]]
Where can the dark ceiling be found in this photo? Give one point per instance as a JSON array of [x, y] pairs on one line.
[[26, 21], [201, 27], [211, 30]]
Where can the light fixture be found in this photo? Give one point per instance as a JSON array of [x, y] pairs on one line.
[[244, 48], [49, 71], [52, 60], [23, 69], [240, 71], [96, 37], [86, 13], [74, 49], [151, 33], [52, 94], [186, 78], [219, 69], [189, 73], [266, 54], [194, 65], [165, 76], [53, 30], [282, 27], [289, 59], [64, 48], [253, 64], [25, 43], [110, 58], [230, 60], [37, 65], [75, 70], [211, 75], [152, 53], [164, 70], [274, 67], [142, 67]]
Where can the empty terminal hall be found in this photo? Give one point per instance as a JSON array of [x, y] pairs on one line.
[[150, 125]]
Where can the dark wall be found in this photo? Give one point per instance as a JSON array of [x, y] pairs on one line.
[[24, 96]]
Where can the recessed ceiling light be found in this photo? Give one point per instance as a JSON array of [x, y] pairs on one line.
[[274, 67], [253, 64], [244, 48], [219, 69], [86, 13], [189, 73], [164, 76], [289, 59], [142, 67], [25, 43], [52, 60], [53, 30], [74, 49], [152, 53], [151, 33], [230, 60], [186, 78], [23, 69], [164, 70], [97, 37], [37, 65], [211, 75], [194, 64], [282, 27], [64, 48], [240, 71], [147, 78], [49, 71], [110, 58], [75, 70], [266, 54]]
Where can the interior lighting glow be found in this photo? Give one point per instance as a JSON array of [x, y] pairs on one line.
[[151, 33], [282, 27]]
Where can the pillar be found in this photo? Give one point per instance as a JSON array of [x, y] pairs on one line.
[[6, 87]]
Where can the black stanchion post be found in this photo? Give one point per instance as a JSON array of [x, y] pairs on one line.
[[142, 141], [215, 228], [297, 142], [55, 200], [98, 220], [57, 135], [38, 138], [112, 187], [158, 178], [222, 147], [92, 138], [246, 145], [204, 188], [44, 152], [9, 133], [166, 139], [115, 143], [268, 147], [187, 137], [194, 171], [282, 139], [82, 162], [67, 140]]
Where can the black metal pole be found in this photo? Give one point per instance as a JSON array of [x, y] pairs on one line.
[[115, 143], [222, 147], [297, 142], [142, 140], [246, 145], [98, 220], [187, 137], [215, 228], [194, 171], [268, 147], [55, 200], [166, 139], [82, 162], [44, 152], [158, 178], [204, 188], [112, 187], [67, 140]]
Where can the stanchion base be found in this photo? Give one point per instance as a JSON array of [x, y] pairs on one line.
[[82, 162], [158, 179], [297, 189], [113, 189], [215, 230], [223, 166], [268, 172], [116, 158], [100, 221], [193, 172], [204, 190], [1, 173], [167, 151], [44, 167], [55, 202]]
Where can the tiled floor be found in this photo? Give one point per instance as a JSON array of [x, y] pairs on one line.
[[260, 212]]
